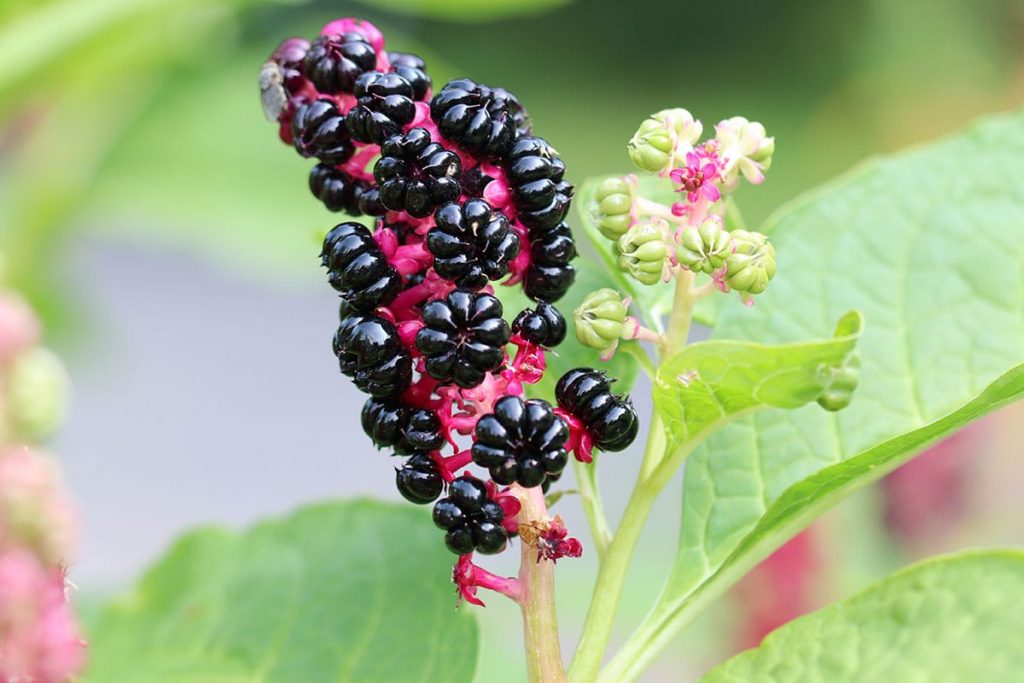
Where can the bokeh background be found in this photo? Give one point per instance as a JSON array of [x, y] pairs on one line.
[[149, 211]]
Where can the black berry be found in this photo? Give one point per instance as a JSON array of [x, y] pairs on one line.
[[337, 189], [610, 419], [554, 247], [414, 70], [535, 173], [521, 442], [471, 243], [383, 106], [357, 268], [543, 325], [318, 130], [416, 174], [484, 121], [463, 338], [418, 480], [390, 424], [370, 352], [471, 519], [548, 283], [333, 63]]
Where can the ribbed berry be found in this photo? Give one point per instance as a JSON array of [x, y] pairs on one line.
[[318, 130], [548, 283], [390, 424], [418, 480], [535, 174], [474, 181], [337, 189], [413, 69], [554, 247], [543, 325], [471, 243], [611, 420], [416, 174], [463, 338], [521, 442], [383, 106], [334, 62], [370, 352], [484, 121], [471, 519], [357, 268]]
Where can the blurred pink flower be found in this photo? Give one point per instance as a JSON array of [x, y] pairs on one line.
[[19, 327], [35, 512], [697, 178], [39, 639]]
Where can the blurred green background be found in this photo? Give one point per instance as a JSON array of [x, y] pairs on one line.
[[135, 125]]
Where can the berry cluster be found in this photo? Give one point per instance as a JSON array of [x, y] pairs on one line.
[[462, 195]]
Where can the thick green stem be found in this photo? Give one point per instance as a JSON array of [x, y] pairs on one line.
[[590, 495], [540, 622]]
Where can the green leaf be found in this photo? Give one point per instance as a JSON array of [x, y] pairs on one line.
[[714, 382], [572, 354], [356, 591], [926, 245], [468, 12], [953, 618]]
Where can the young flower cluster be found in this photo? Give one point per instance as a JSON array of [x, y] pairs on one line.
[[39, 639], [655, 242], [462, 195]]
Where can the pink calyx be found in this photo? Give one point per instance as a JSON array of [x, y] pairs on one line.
[[408, 259], [580, 441], [404, 306], [529, 363], [468, 577], [356, 166], [450, 466], [352, 25], [518, 266], [510, 505], [551, 539]]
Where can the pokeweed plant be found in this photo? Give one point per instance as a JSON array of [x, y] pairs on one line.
[[463, 210]]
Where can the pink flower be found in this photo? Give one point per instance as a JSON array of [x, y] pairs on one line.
[[468, 577], [698, 176], [35, 512], [39, 639], [550, 538]]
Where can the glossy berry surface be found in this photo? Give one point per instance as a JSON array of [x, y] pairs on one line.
[[416, 174], [370, 352], [318, 130], [554, 247], [472, 520], [535, 174], [463, 338], [334, 62], [543, 325], [384, 105], [336, 189], [610, 419], [521, 442], [357, 268], [471, 243], [548, 283], [418, 480], [414, 70], [482, 120], [391, 424]]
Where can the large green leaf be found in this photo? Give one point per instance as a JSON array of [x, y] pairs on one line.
[[927, 245], [714, 382], [954, 618], [355, 591]]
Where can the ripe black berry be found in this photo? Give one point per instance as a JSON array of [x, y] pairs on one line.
[[471, 243], [333, 63], [391, 424], [318, 130], [463, 338], [611, 420], [357, 268], [471, 519], [413, 69], [543, 325], [416, 174], [383, 107], [370, 352], [554, 247], [484, 121], [337, 189], [535, 174], [521, 442], [548, 283], [418, 480]]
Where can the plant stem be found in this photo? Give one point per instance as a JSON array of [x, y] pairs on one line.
[[590, 495], [540, 623]]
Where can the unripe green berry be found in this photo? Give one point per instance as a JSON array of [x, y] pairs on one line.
[[705, 248], [752, 264], [600, 319], [642, 252], [662, 137], [613, 204], [36, 394], [840, 384]]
